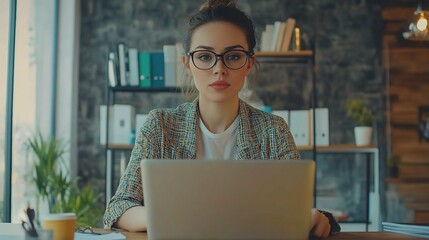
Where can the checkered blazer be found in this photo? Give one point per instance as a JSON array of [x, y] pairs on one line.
[[171, 134]]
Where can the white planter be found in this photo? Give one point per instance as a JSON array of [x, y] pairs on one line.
[[363, 135]]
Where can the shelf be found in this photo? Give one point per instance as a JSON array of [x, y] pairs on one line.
[[340, 148], [139, 89], [303, 53]]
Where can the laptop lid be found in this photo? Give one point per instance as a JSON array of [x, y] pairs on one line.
[[228, 199]]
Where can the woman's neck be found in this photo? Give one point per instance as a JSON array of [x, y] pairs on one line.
[[218, 116]]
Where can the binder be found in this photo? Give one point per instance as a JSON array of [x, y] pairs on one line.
[[299, 126], [170, 65], [322, 126], [121, 124], [134, 67], [145, 78], [112, 71], [140, 119], [282, 113], [157, 69], [123, 64]]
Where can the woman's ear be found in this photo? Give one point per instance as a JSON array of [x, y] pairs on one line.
[[251, 63], [185, 62]]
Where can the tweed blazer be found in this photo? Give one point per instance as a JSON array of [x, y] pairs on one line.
[[172, 134]]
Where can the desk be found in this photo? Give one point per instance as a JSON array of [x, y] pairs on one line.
[[340, 236]]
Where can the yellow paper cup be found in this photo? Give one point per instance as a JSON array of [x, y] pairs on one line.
[[62, 224]]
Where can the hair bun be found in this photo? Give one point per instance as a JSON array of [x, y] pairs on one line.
[[216, 3]]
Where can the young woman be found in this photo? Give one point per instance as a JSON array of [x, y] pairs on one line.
[[217, 124]]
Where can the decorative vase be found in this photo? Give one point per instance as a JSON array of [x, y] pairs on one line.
[[363, 135]]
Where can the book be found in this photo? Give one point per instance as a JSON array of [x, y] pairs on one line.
[[111, 70], [145, 75], [123, 64], [297, 39], [412, 229], [266, 42], [157, 69], [280, 37], [133, 67], [276, 32], [290, 26], [170, 65]]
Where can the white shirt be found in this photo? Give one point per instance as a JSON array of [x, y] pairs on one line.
[[217, 145]]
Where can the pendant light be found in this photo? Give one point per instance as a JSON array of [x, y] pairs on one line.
[[418, 29]]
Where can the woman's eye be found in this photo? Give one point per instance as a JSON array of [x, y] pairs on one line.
[[205, 57], [233, 57]]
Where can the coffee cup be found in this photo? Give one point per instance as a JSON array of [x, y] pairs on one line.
[[62, 224]]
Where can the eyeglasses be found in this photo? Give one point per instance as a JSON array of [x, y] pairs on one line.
[[232, 59]]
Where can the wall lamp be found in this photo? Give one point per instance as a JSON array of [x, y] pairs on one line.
[[418, 28]]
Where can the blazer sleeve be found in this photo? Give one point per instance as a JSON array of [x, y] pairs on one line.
[[129, 192], [285, 144]]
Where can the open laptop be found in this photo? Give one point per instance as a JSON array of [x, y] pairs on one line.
[[228, 199]]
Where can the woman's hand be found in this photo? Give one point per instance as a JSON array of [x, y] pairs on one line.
[[320, 226]]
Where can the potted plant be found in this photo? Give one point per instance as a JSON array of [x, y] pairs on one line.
[[56, 186], [363, 117]]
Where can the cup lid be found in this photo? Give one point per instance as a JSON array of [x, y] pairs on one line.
[[59, 216]]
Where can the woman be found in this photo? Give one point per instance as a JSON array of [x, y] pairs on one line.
[[217, 125]]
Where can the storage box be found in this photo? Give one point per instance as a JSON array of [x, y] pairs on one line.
[[121, 124]]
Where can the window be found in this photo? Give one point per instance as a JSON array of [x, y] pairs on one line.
[[24, 99], [4, 38]]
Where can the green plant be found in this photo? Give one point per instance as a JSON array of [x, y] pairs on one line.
[[359, 112], [56, 186]]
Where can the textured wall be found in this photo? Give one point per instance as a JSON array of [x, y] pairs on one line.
[[346, 36]]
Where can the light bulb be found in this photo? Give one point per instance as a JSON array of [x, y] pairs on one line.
[[422, 23]]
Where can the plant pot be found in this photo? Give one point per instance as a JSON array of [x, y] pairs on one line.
[[363, 135]]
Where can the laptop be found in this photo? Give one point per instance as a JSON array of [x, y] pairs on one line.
[[228, 199]]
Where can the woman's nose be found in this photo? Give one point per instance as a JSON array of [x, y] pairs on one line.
[[219, 67]]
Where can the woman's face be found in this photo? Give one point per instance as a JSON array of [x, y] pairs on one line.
[[219, 83]]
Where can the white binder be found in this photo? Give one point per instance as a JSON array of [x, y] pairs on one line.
[[170, 65], [299, 126], [140, 119], [322, 126], [282, 113], [121, 124]]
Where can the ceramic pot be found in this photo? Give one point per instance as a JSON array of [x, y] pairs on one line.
[[363, 135]]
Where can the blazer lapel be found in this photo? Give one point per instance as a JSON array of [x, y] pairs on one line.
[[187, 148], [248, 146]]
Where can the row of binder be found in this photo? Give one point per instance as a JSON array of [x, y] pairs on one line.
[[301, 125], [123, 122], [128, 66]]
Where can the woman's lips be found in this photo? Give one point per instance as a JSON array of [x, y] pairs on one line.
[[220, 85]]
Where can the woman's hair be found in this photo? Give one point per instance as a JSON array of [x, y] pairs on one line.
[[220, 10], [211, 11]]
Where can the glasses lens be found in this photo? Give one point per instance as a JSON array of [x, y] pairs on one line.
[[204, 59], [235, 59]]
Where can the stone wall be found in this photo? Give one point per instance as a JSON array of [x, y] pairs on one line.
[[345, 35]]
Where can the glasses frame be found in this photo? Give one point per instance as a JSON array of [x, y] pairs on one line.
[[248, 54]]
